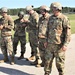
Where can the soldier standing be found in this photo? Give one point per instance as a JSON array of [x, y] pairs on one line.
[[32, 30], [20, 34], [42, 25], [6, 25], [58, 37]]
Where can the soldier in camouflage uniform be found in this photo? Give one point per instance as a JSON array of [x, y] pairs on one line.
[[58, 37], [32, 30], [20, 34], [42, 31], [6, 25]]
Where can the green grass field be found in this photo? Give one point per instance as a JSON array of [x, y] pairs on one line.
[[72, 22]]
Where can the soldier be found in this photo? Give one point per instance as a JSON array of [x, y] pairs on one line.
[[20, 34], [32, 30], [6, 25], [58, 37], [42, 31]]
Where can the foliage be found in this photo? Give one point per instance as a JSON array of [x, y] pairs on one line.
[[72, 22], [15, 11]]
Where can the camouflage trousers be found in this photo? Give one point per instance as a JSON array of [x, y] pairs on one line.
[[42, 49], [33, 39], [7, 46], [22, 40], [54, 51]]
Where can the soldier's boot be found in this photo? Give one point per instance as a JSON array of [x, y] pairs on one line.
[[31, 58], [21, 56], [39, 62], [34, 63], [42, 64], [4, 60], [12, 60], [46, 73]]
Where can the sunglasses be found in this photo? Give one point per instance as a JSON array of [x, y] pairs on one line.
[[54, 8], [42, 10]]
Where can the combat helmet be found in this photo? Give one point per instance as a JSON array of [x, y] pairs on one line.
[[21, 13], [28, 8], [57, 5], [44, 7], [4, 9]]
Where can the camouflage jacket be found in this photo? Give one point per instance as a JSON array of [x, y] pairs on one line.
[[59, 30], [33, 21], [19, 27], [42, 25], [8, 24]]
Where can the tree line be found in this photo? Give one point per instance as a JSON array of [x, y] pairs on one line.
[[16, 10]]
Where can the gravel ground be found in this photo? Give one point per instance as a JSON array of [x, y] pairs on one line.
[[23, 67]]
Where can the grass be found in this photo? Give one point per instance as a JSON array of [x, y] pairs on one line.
[[72, 22], [71, 16]]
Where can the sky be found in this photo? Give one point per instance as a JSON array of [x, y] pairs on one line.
[[35, 3]]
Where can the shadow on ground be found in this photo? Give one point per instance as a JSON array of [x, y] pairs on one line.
[[18, 62], [12, 71], [1, 56], [22, 61]]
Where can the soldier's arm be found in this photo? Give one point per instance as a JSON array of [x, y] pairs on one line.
[[10, 23], [15, 22], [67, 31], [36, 19], [47, 35], [24, 24], [1, 23]]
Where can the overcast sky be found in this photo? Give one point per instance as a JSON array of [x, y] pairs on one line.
[[35, 3]]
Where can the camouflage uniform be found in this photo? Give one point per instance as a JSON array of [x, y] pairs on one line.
[[58, 35], [19, 35], [42, 34], [32, 30], [6, 36]]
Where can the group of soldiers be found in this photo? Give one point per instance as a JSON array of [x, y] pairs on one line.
[[49, 35]]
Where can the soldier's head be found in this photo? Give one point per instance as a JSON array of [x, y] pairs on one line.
[[29, 9], [21, 14], [44, 9], [56, 6], [4, 11]]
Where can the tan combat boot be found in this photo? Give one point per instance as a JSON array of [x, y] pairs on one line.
[[39, 62], [4, 60], [31, 58], [12, 60], [34, 63]]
